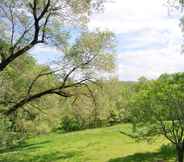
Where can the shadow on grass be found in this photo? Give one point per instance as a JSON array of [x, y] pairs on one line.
[[24, 147], [165, 153], [51, 157], [30, 153]]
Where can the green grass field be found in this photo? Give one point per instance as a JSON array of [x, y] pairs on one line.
[[97, 145]]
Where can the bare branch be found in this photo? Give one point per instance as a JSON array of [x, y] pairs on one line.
[[13, 25], [44, 10], [38, 77]]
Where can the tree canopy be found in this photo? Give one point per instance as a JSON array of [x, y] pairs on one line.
[[158, 110], [25, 24]]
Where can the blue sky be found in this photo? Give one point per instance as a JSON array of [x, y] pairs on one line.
[[149, 38]]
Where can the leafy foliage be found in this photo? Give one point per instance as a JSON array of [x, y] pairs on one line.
[[158, 110], [109, 108]]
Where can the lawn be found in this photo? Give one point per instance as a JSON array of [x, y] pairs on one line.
[[97, 145]]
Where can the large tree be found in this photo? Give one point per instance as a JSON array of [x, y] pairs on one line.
[[14, 81], [80, 64], [25, 24], [158, 109]]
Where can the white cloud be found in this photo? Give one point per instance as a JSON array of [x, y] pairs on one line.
[[149, 63], [149, 37], [125, 16]]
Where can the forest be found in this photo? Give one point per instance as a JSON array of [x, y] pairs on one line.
[[76, 108]]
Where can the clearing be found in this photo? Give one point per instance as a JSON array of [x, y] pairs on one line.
[[96, 145]]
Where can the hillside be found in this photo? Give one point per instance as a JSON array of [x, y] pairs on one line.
[[97, 145]]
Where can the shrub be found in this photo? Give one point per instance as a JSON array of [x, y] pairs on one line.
[[8, 137], [69, 124]]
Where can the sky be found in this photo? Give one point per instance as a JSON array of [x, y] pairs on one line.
[[148, 34]]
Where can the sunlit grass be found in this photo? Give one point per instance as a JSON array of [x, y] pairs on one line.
[[97, 145]]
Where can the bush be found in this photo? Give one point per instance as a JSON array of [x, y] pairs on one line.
[[69, 124], [8, 137], [113, 118]]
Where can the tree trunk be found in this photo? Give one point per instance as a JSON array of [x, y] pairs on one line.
[[180, 152]]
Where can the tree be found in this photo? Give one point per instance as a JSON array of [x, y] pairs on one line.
[[158, 109], [13, 84], [26, 23], [110, 107], [80, 64]]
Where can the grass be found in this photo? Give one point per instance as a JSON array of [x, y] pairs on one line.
[[97, 145]]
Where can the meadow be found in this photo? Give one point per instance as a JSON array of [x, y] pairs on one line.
[[96, 145]]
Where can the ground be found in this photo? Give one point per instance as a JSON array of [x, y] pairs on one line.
[[97, 145]]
